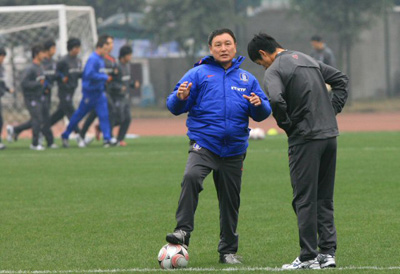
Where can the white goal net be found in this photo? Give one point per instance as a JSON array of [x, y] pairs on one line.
[[23, 26]]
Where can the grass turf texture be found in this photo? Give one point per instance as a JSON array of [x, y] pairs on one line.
[[99, 208]]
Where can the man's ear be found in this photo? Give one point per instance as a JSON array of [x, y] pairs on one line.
[[209, 48], [262, 53]]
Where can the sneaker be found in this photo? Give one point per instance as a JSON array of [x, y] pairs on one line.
[[229, 259], [108, 144], [297, 264], [53, 146], [113, 141], [38, 147], [178, 237], [97, 132], [81, 142], [10, 133], [65, 142], [326, 260], [88, 140], [122, 143], [2, 146]]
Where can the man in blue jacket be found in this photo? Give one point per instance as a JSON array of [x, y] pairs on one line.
[[219, 97], [94, 98]]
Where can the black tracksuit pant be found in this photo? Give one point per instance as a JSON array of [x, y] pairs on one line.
[[121, 115], [65, 108], [312, 172], [38, 108], [227, 174], [1, 119]]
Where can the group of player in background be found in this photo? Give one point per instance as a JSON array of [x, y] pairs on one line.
[[105, 86]]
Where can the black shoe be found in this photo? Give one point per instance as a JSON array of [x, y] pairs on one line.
[[229, 259], [178, 237]]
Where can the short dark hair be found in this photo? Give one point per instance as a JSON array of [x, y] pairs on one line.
[[3, 51], [316, 38], [261, 41], [48, 44], [102, 40], [36, 49], [125, 50], [219, 32], [73, 43]]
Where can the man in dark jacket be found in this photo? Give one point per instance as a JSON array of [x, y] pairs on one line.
[[34, 87], [220, 97], [3, 89], [68, 70], [118, 90], [321, 52], [49, 70], [295, 85]]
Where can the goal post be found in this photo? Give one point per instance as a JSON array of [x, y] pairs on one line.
[[23, 26]]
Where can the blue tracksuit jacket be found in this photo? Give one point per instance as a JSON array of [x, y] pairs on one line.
[[218, 116], [94, 77]]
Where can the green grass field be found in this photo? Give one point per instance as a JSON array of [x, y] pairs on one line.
[[95, 208]]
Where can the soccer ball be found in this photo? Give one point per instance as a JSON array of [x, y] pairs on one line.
[[173, 256], [257, 134]]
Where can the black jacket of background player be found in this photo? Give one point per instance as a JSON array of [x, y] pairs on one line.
[[49, 68], [121, 80], [301, 105], [3, 86], [32, 83], [69, 70]]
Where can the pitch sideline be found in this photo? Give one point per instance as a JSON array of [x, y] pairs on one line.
[[232, 269]]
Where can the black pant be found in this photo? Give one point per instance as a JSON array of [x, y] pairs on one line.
[[312, 172], [1, 119], [227, 174], [40, 119], [121, 115], [92, 116], [65, 108]]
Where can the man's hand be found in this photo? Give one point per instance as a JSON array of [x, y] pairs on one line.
[[11, 90], [253, 99], [184, 90]]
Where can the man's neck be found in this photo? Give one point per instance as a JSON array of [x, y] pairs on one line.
[[36, 61], [99, 52]]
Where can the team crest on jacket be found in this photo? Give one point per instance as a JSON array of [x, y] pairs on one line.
[[244, 77], [196, 147]]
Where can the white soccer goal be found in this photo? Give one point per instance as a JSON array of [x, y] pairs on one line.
[[23, 26]]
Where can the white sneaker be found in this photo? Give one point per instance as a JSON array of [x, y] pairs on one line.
[[88, 140], [53, 146], [326, 260], [38, 147], [10, 133], [2, 146], [81, 142], [113, 141], [297, 264]]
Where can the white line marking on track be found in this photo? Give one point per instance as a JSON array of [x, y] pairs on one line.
[[231, 269]]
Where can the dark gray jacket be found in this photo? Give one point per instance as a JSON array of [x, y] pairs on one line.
[[121, 80], [325, 56], [69, 70], [3, 86], [49, 68], [301, 105], [33, 81]]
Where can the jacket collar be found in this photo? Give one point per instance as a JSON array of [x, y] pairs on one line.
[[236, 62]]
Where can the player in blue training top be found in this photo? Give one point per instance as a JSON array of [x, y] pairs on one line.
[[220, 97], [94, 79]]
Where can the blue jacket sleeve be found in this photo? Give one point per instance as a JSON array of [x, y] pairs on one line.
[[259, 113], [177, 106], [92, 71]]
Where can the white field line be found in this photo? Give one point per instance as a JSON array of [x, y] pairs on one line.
[[231, 269]]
